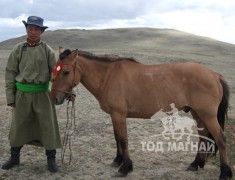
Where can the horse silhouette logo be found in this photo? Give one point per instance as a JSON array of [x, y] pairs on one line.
[[174, 124]]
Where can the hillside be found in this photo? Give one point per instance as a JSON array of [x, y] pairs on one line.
[[129, 39], [147, 45]]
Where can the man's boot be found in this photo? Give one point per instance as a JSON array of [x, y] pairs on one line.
[[51, 163], [14, 159]]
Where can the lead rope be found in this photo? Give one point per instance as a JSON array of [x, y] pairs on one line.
[[69, 130]]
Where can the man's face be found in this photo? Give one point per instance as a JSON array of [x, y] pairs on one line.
[[34, 33]]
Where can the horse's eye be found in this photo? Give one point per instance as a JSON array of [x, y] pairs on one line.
[[66, 73]]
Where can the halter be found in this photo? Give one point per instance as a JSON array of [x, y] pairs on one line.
[[57, 69]]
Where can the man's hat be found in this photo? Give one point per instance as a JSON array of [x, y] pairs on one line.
[[34, 20]]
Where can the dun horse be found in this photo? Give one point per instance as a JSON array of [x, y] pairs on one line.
[[128, 89]]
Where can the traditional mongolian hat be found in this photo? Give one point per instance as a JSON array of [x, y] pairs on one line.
[[34, 20]]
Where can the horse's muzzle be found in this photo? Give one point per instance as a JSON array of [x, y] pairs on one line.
[[58, 100]]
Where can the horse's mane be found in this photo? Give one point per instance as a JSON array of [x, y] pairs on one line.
[[64, 54], [91, 56]]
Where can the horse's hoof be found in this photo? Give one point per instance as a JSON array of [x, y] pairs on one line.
[[120, 174], [191, 168], [226, 172], [115, 164]]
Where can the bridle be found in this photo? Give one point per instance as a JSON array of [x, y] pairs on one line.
[[74, 83]]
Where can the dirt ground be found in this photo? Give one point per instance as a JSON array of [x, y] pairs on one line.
[[93, 147]]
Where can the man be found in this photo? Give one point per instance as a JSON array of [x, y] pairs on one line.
[[27, 77]]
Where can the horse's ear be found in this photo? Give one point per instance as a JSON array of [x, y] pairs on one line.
[[61, 50], [76, 53]]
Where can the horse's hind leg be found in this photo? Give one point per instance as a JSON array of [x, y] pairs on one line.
[[120, 129], [200, 158], [216, 131]]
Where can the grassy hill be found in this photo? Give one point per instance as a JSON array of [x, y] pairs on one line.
[[127, 39], [147, 45]]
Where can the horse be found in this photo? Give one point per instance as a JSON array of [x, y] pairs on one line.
[[126, 88]]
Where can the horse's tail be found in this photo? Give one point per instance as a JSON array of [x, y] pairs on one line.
[[222, 113], [223, 108]]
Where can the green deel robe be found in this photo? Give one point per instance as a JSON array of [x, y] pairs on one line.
[[34, 116]]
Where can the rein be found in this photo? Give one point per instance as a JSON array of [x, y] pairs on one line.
[[69, 131], [65, 92]]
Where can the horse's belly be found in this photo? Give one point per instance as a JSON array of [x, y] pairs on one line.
[[143, 112]]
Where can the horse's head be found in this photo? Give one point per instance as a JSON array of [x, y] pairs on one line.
[[65, 75]]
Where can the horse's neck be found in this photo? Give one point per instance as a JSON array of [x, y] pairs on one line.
[[94, 74]]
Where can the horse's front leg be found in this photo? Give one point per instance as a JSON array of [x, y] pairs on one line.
[[119, 157], [120, 129]]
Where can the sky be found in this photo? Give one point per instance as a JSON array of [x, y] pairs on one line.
[[210, 18]]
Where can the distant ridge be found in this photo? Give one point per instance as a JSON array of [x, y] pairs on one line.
[[123, 38]]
